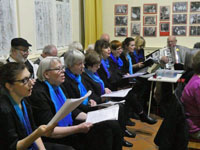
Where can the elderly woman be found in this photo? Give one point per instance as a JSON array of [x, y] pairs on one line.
[[17, 126], [77, 86], [46, 100], [190, 98]]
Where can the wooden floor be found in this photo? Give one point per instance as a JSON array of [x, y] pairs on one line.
[[145, 135]]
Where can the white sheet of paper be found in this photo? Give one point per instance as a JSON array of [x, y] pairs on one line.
[[134, 75], [110, 103], [68, 107], [119, 93], [110, 113]]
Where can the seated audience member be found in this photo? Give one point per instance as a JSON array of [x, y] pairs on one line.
[[47, 99], [76, 86], [130, 65], [105, 37], [49, 50], [197, 45], [17, 126], [102, 47], [19, 53], [190, 98]]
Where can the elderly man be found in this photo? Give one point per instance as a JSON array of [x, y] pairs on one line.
[[49, 50], [173, 54], [19, 53], [105, 37]]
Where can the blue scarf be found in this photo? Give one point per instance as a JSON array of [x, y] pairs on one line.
[[23, 119], [106, 66], [130, 63], [81, 87], [138, 56], [117, 61], [97, 79], [58, 98]]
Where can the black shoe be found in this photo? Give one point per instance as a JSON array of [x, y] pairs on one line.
[[129, 134], [130, 123], [126, 143], [147, 119]]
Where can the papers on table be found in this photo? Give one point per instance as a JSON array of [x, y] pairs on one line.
[[134, 75], [110, 103], [68, 107], [110, 113], [165, 79], [119, 93]]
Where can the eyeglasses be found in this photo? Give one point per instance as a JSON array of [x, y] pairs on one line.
[[59, 69], [25, 80]]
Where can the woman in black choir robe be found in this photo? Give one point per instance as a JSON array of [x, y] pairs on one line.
[[105, 73], [17, 127], [46, 100], [76, 86]]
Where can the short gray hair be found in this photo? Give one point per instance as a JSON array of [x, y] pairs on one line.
[[47, 49], [45, 64], [72, 57], [76, 45]]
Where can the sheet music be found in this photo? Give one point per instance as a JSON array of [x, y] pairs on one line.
[[110, 103], [134, 75], [68, 107], [168, 73], [110, 113], [119, 93]]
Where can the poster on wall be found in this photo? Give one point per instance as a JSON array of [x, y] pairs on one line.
[[121, 20], [179, 18], [164, 13], [179, 7], [179, 30], [164, 29], [194, 30], [149, 31], [150, 8], [195, 19], [121, 9], [135, 13], [150, 20], [135, 29], [195, 7], [121, 31]]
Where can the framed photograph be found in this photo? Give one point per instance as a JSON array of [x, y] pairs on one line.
[[149, 31], [150, 20], [179, 7], [121, 9], [194, 30], [150, 8], [135, 13], [164, 29], [164, 13], [179, 18], [195, 6], [179, 30], [135, 29], [121, 31], [195, 19], [121, 20]]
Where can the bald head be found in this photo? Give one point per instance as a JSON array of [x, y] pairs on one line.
[[171, 41], [105, 37]]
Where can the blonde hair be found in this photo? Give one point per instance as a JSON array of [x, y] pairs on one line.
[[139, 42]]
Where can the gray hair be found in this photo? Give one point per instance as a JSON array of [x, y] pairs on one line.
[[76, 45], [72, 57], [47, 49], [45, 64]]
